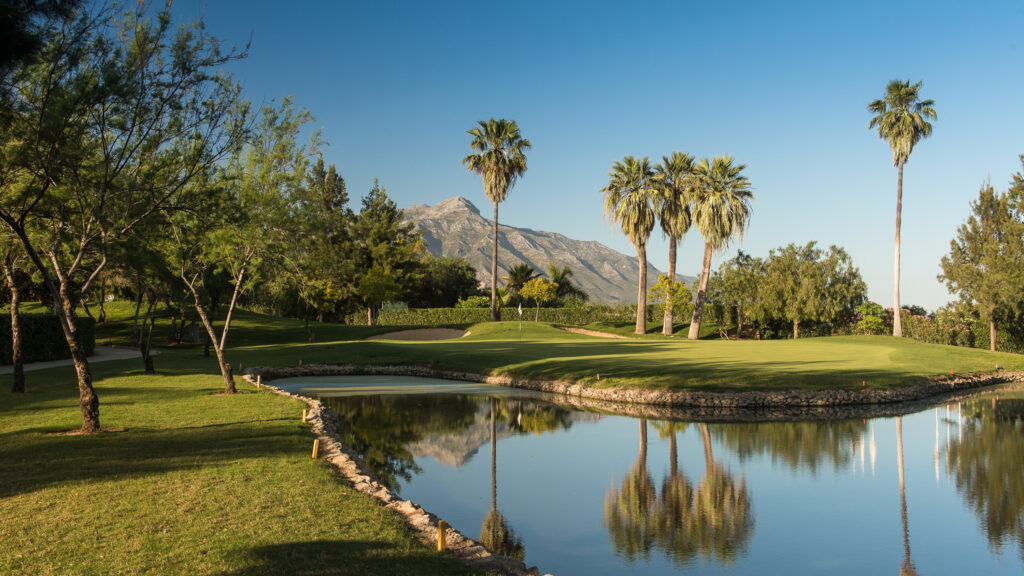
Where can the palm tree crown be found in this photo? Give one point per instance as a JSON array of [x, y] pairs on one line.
[[722, 199], [675, 185], [629, 200], [500, 156], [902, 118]]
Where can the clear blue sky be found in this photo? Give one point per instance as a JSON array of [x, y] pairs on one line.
[[782, 86]]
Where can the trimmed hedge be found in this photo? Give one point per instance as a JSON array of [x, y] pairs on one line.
[[42, 338], [447, 316]]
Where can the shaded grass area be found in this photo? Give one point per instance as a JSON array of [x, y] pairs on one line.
[[188, 482]]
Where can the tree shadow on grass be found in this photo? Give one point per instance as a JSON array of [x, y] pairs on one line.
[[33, 461], [348, 558]]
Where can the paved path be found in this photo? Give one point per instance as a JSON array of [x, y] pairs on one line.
[[100, 354]]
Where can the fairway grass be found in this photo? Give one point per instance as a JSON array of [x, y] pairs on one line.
[[188, 481]]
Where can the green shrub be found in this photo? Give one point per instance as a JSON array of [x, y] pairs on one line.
[[447, 316], [474, 302], [42, 338]]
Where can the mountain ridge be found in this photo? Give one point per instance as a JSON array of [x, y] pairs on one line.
[[456, 228]]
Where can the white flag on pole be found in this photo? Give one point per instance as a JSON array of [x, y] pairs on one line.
[[520, 308]]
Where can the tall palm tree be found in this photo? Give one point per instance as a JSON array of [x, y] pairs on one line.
[[629, 200], [517, 277], [902, 120], [675, 185], [501, 160], [721, 209]]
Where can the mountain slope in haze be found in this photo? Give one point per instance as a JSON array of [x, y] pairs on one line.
[[455, 228]]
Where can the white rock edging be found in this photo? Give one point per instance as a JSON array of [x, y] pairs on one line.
[[324, 426]]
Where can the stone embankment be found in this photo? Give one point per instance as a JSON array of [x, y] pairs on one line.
[[637, 402], [324, 425]]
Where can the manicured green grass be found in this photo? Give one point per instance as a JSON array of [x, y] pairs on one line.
[[194, 483]]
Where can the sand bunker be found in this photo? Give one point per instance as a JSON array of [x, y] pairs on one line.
[[422, 334], [593, 333]]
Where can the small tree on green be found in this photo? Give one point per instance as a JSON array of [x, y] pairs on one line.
[[541, 291], [675, 296]]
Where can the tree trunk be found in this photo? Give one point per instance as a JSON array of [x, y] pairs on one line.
[[991, 334], [705, 435], [369, 314], [494, 457], [673, 455], [796, 329], [145, 338], [536, 317], [641, 291], [698, 306], [225, 368], [669, 320], [17, 362], [495, 316], [102, 316], [897, 320]]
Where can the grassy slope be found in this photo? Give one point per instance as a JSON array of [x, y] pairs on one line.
[[196, 483]]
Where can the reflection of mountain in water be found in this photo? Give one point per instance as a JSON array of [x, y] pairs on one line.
[[458, 447]]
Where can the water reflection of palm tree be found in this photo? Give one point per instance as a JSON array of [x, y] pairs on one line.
[[907, 568], [721, 522], [675, 503], [495, 532], [629, 511]]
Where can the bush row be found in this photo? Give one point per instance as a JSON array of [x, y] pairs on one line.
[[42, 338], [444, 316]]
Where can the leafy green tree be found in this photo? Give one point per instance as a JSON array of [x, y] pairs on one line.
[[721, 210], [740, 279], [983, 264], [387, 252], [805, 284], [673, 178], [902, 120], [500, 158], [629, 200], [318, 257], [106, 127], [242, 233], [567, 289], [675, 295], [541, 291], [24, 25], [445, 282], [871, 318]]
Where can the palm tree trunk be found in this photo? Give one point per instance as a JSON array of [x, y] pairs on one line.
[[991, 334], [17, 363], [494, 458], [641, 292], [705, 435], [796, 329], [897, 321], [698, 306], [669, 320], [903, 493], [673, 455], [495, 316]]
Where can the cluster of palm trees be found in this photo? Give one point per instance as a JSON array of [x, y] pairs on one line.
[[680, 192]]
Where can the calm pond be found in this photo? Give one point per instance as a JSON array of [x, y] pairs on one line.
[[937, 491]]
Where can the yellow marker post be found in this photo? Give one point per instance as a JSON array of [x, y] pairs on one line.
[[259, 380], [303, 416], [316, 448], [441, 527]]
